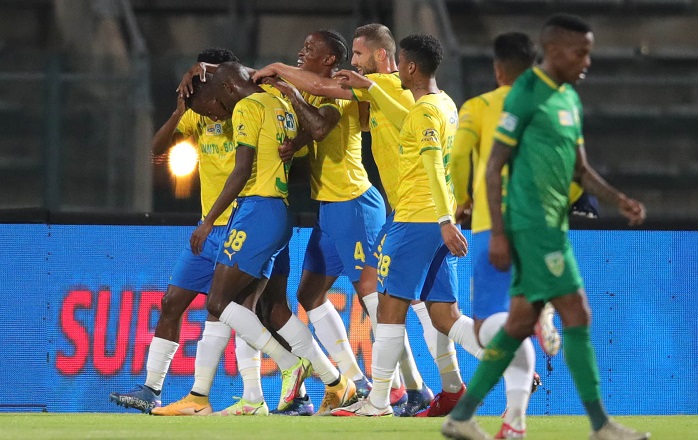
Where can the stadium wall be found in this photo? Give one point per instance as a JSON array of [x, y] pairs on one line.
[[80, 303]]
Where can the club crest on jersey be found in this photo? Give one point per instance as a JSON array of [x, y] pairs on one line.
[[556, 263], [566, 118], [508, 121], [214, 129]]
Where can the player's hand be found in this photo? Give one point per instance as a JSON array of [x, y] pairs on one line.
[[463, 213], [500, 252], [198, 237], [264, 72], [185, 87], [631, 209], [181, 105], [454, 239], [287, 149], [350, 78], [284, 87]]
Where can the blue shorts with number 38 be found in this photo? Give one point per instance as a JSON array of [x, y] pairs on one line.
[[416, 264], [258, 230]]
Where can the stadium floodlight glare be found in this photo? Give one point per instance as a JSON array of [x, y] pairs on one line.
[[182, 159]]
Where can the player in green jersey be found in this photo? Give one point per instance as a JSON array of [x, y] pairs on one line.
[[540, 137]]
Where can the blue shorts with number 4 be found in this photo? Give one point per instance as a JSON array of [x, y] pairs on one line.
[[256, 234], [490, 293], [416, 264], [195, 272], [343, 233], [373, 256]]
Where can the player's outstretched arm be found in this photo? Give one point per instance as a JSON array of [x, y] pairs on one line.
[[592, 182], [318, 122], [304, 80], [167, 135], [500, 252], [244, 158]]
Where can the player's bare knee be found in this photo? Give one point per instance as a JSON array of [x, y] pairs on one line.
[[173, 306]]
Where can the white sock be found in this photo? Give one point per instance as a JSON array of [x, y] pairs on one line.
[[160, 354], [209, 351], [408, 368], [248, 326], [517, 376], [429, 331], [371, 303], [442, 350], [330, 330], [304, 345], [386, 352], [249, 363], [463, 332], [447, 363]]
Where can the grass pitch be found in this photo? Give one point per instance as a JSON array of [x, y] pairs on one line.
[[138, 426]]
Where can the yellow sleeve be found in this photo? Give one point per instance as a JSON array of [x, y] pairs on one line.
[[467, 138], [393, 110], [428, 124], [188, 123], [248, 117]]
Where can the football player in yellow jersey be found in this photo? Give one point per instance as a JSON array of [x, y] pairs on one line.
[[372, 55], [479, 116], [259, 229], [418, 258], [351, 209], [192, 273]]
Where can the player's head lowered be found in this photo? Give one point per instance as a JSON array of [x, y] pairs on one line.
[[567, 41], [373, 44], [420, 56], [217, 97], [216, 55], [513, 54], [322, 51]]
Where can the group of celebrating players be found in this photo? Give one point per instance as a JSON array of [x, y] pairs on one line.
[[250, 125]]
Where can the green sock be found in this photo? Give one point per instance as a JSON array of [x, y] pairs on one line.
[[579, 355], [497, 357]]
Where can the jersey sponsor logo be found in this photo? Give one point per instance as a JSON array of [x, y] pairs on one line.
[[508, 121], [290, 122], [566, 118], [214, 129], [241, 130], [430, 135], [556, 263]]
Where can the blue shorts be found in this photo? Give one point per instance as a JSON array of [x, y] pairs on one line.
[[282, 263], [343, 233], [375, 253], [256, 233], [490, 293], [416, 264], [195, 272]]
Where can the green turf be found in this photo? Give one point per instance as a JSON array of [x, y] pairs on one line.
[[137, 426]]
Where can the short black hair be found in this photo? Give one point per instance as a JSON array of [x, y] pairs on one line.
[[216, 55], [337, 44], [569, 22], [423, 50], [516, 50], [197, 86]]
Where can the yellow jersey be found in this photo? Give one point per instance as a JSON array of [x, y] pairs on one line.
[[478, 120], [214, 140], [384, 135], [336, 171], [261, 121], [431, 124]]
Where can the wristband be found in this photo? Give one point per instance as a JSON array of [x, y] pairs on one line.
[[445, 219]]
